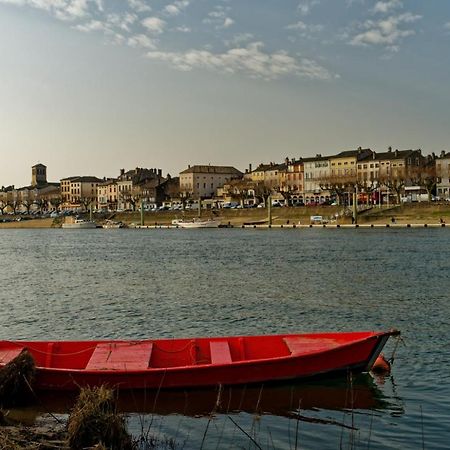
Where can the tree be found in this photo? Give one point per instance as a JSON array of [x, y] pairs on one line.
[[395, 184], [369, 187], [27, 204], [262, 192], [86, 202], [428, 179], [338, 186], [3, 206], [14, 205]]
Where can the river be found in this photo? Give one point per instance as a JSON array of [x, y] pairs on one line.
[[68, 284]]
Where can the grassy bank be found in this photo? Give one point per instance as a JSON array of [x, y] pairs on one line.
[[415, 213]]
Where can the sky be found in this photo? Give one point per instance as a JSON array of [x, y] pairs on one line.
[[88, 87]]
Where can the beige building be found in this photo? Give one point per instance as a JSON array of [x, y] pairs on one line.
[[344, 164], [316, 170], [203, 181], [79, 192], [107, 195], [443, 173]]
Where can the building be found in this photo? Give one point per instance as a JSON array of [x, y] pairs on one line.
[[138, 185], [391, 172], [443, 174], [203, 181], [344, 164], [107, 195], [315, 170], [80, 192]]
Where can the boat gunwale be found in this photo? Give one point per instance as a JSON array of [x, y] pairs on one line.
[[196, 367]]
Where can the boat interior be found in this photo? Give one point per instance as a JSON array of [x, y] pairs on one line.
[[170, 353]]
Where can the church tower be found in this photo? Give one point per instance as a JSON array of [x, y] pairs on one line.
[[38, 175]]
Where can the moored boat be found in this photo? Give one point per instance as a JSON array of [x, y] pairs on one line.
[[197, 223], [79, 224], [197, 362], [110, 224]]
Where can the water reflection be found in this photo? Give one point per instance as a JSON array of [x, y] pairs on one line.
[[285, 399]]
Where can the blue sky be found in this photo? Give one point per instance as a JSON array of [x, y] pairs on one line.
[[90, 86]]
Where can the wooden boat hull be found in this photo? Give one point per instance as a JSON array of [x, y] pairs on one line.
[[199, 224], [181, 363]]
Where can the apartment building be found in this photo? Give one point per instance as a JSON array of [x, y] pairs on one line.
[[443, 173], [79, 192], [200, 181], [316, 170]]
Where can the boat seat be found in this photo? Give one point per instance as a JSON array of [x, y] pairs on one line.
[[220, 352], [121, 356], [299, 344], [8, 354]]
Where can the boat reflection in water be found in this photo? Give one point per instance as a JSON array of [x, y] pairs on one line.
[[272, 399]]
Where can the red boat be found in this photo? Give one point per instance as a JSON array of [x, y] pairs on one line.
[[181, 363]]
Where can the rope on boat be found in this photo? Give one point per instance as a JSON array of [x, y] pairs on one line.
[[190, 344], [399, 339]]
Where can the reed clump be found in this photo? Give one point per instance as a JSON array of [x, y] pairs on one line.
[[95, 422], [16, 381]]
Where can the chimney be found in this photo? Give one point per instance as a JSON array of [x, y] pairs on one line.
[[396, 152], [389, 149], [189, 166], [374, 155], [159, 172], [122, 172], [443, 154], [249, 168]]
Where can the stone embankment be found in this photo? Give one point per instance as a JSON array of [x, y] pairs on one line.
[[408, 215]]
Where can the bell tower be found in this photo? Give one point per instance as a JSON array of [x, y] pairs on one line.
[[38, 175]]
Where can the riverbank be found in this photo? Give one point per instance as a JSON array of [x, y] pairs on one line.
[[407, 214]]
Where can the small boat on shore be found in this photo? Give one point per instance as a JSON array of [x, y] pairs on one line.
[[196, 223], [79, 224], [111, 224], [197, 362]]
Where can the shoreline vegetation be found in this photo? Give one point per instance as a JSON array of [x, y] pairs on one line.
[[405, 214]]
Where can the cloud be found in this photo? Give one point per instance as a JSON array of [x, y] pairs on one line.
[[183, 29], [305, 28], [92, 25], [175, 8], [387, 6], [219, 18], [385, 32], [154, 24], [141, 41], [250, 60], [68, 10], [305, 6], [139, 6]]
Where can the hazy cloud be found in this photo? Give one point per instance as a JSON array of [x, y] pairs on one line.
[[387, 6], [175, 8], [305, 6], [387, 32], [62, 9], [304, 27], [139, 5], [250, 60], [141, 41], [154, 24]]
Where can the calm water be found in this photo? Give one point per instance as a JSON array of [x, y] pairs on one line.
[[60, 284]]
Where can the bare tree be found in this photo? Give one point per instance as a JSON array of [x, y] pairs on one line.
[[3, 206], [14, 205], [263, 192], [86, 202], [338, 186]]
